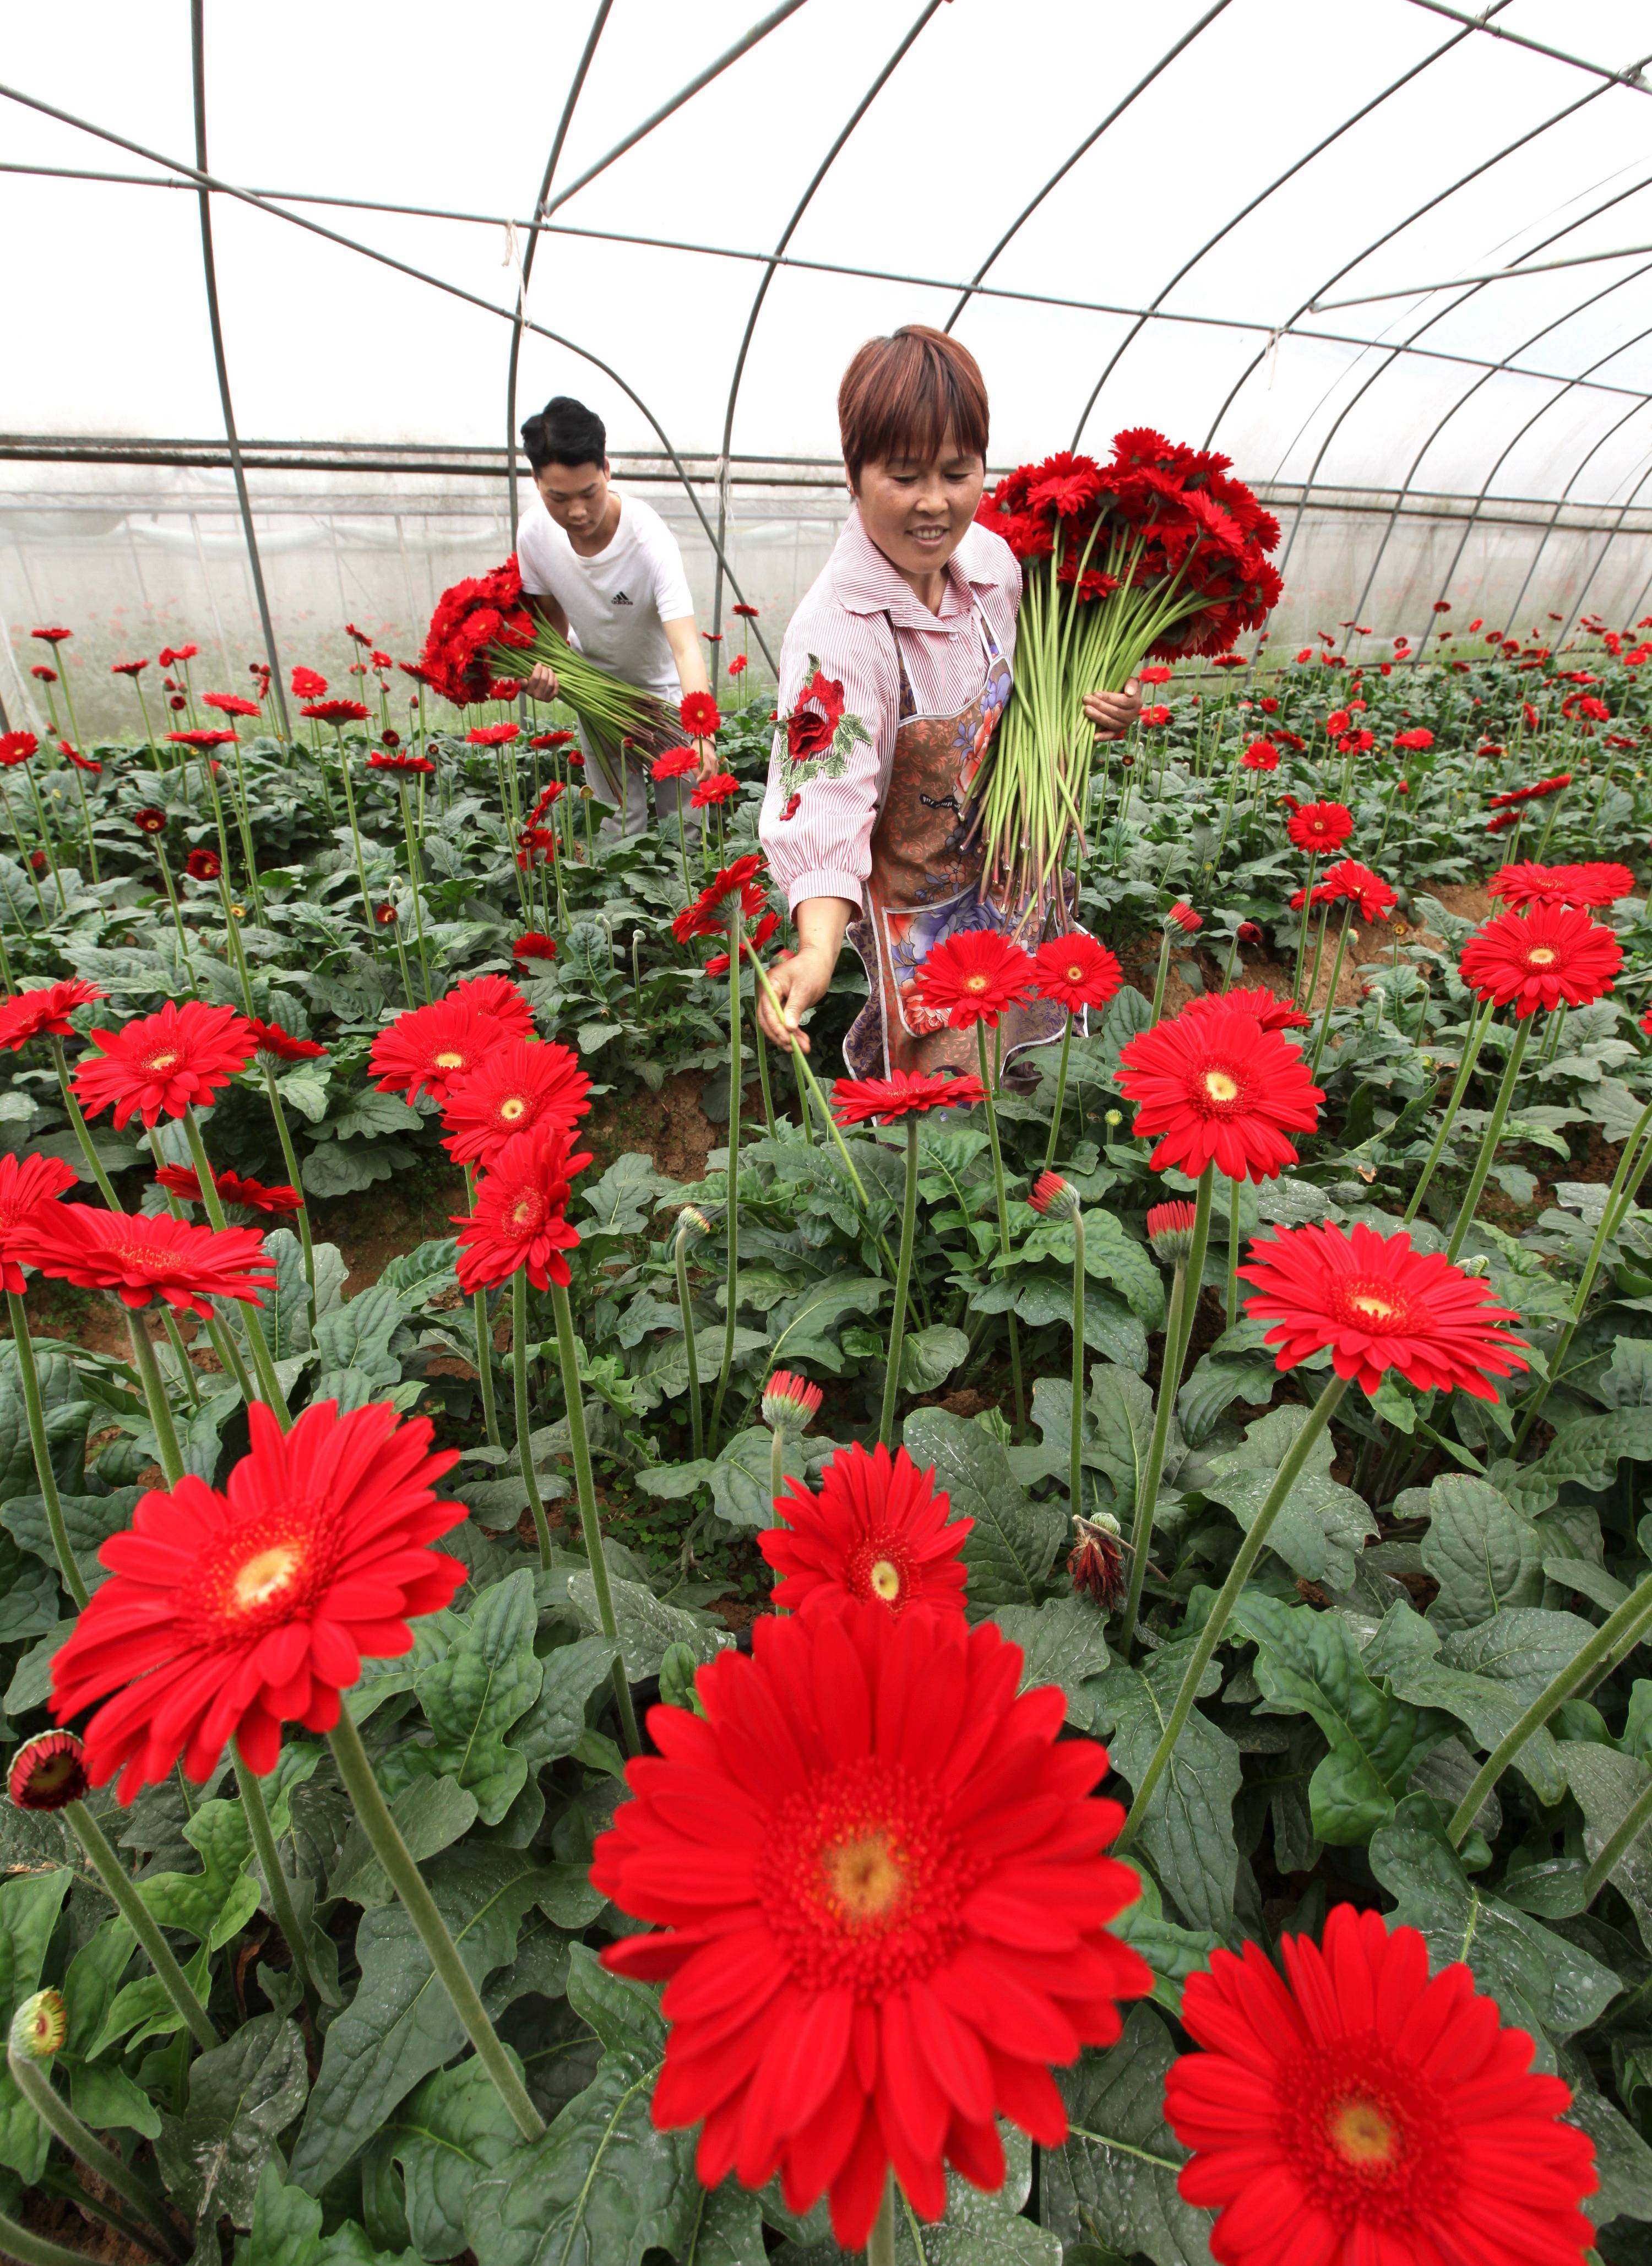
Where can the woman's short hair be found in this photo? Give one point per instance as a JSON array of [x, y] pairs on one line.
[[901, 396]]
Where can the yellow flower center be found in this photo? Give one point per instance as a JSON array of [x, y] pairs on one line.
[[1075, 975], [976, 983], [886, 1580], [266, 1575], [1541, 956], [1361, 2134], [865, 1878], [452, 1059], [1221, 1085], [1374, 1308], [163, 1061], [513, 1107]]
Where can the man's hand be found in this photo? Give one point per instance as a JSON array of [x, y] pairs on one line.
[[1114, 712], [798, 981], [542, 683], [706, 750]]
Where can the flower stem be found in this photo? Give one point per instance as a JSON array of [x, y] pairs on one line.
[[1184, 1301], [1612, 1851], [589, 1523], [355, 836], [903, 1285], [484, 1368], [1330, 997], [34, 2083], [1233, 1250], [519, 1374], [1075, 1474], [269, 1383], [736, 919], [1249, 1550], [36, 2249], [38, 1441], [1478, 1029], [1162, 975], [138, 1917], [1490, 1138], [171, 1456], [1004, 1222], [392, 1853], [777, 1463], [289, 1158], [685, 1309], [1061, 1096], [280, 1894], [1610, 1641], [82, 1131], [1301, 928], [881, 2243]]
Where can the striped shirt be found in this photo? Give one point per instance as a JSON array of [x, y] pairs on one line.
[[860, 621]]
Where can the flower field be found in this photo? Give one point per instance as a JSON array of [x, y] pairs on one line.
[[1129, 1574]]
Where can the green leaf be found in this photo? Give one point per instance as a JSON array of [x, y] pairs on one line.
[[488, 1678], [805, 1327], [1485, 1554], [306, 1092], [104, 2096], [400, 2025], [1113, 2179], [286, 2224], [1320, 1527], [445, 2137], [1586, 1451], [90, 1520], [928, 1357], [242, 2096], [974, 2230], [1065, 1642], [1121, 1403], [431, 1813], [358, 1335], [1187, 1831], [1490, 1712], [1308, 1664], [28, 1913], [742, 1491], [1607, 1784], [367, 1115], [554, 1725], [423, 1273], [1173, 1953], [345, 1169], [218, 1902], [648, 1626], [1541, 1981], [1623, 2161], [627, 1194], [1013, 1545], [602, 2186], [66, 1412]]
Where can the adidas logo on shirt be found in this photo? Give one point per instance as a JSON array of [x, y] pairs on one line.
[[620, 599]]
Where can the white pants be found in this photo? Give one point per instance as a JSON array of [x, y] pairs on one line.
[[631, 805]]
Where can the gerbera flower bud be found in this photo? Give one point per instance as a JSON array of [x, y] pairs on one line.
[[1170, 1231], [1096, 1561], [790, 1403], [49, 1771], [39, 2026], [878, 1528], [691, 1221], [1054, 1197], [149, 820], [1185, 918], [1359, 2096], [203, 866]]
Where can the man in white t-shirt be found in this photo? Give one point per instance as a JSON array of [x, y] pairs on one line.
[[604, 570]]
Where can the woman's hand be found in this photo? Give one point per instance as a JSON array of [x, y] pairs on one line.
[[799, 980], [1114, 712], [542, 681], [706, 750]]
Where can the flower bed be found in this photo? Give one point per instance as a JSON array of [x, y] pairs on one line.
[[1261, 1398]]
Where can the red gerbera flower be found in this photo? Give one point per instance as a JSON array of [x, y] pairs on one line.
[[403, 764], [1271, 1009], [229, 704], [131, 668], [203, 866], [1096, 1564], [1320, 825], [698, 715], [707, 915], [49, 1771], [974, 977], [52, 636], [493, 735], [519, 1220], [718, 788], [519, 1084], [884, 1899], [497, 995], [336, 712], [1260, 756], [203, 742], [307, 685], [550, 740], [270, 1039], [675, 763], [149, 820], [1538, 959], [157, 1065], [182, 1181], [26, 1184], [32, 1014], [1358, 2110], [902, 1094], [230, 1613], [17, 748], [1595, 884], [1378, 1304], [878, 1528], [434, 1049], [1526, 882], [142, 1257], [1076, 971], [1533, 793], [1347, 880], [80, 763], [1219, 1089], [534, 945]]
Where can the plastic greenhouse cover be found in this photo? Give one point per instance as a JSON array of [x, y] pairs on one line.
[[1283, 226]]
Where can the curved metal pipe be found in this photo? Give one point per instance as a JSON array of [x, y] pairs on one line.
[[198, 70], [205, 180], [762, 293], [1595, 447], [576, 88], [1089, 142]]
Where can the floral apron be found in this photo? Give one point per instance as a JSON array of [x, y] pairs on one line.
[[924, 886]]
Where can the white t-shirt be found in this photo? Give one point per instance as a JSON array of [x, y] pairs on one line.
[[617, 602]]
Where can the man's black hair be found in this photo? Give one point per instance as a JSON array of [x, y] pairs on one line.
[[564, 432]]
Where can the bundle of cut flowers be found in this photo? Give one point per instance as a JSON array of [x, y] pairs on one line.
[[482, 628], [1160, 551]]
